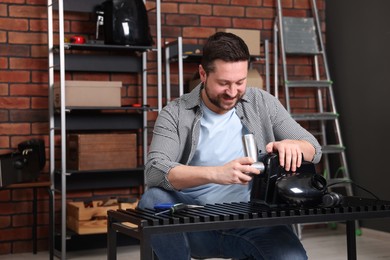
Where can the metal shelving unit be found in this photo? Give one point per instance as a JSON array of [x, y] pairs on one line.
[[61, 60]]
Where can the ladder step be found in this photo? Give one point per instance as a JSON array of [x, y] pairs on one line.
[[309, 83], [315, 116], [340, 182], [334, 148]]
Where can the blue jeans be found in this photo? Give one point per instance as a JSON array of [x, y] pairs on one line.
[[274, 242]]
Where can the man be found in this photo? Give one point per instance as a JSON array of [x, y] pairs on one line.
[[196, 155]]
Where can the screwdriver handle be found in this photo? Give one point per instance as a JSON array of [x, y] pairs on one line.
[[173, 208]]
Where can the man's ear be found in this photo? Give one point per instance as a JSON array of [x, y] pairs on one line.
[[202, 74]]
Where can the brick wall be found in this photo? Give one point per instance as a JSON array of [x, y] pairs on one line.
[[24, 77]]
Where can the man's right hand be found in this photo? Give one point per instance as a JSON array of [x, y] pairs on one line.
[[238, 171]]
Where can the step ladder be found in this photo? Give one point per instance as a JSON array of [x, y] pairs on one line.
[[297, 37]]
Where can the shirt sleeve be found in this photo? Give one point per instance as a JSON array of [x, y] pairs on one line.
[[285, 127], [164, 150]]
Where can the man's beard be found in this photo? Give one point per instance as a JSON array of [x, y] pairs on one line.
[[217, 101]]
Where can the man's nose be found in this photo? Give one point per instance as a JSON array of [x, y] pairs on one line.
[[232, 91]]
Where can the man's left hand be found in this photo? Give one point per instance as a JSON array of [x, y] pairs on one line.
[[290, 153]]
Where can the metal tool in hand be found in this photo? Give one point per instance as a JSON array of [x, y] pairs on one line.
[[173, 208]]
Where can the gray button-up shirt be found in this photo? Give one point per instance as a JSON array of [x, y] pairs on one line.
[[177, 128]]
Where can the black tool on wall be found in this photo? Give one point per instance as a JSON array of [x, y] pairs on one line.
[[23, 165]]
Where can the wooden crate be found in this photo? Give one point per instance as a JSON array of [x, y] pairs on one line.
[[91, 218], [101, 151]]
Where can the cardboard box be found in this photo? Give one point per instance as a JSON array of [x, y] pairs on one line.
[[91, 217], [80, 93], [254, 79], [251, 38], [101, 151]]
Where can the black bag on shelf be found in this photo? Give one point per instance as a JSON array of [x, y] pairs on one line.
[[23, 165], [126, 23]]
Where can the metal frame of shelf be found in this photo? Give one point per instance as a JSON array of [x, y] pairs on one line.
[[65, 118]]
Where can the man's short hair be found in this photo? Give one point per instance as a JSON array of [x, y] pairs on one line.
[[223, 46]]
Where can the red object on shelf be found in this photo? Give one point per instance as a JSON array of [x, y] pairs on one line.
[[77, 39]]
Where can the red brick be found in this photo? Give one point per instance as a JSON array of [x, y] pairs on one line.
[[5, 221], [36, 2], [126, 79], [39, 76], [21, 246], [39, 103], [13, 24], [195, 9], [4, 145], [28, 89], [14, 128], [182, 1], [14, 102], [268, 25], [40, 128], [295, 12], [184, 20], [19, 195], [15, 207], [27, 38], [3, 9], [246, 2], [197, 32], [247, 23], [27, 63], [233, 11], [215, 2], [269, 3], [287, 3], [5, 248], [14, 76], [38, 25], [22, 220], [3, 37], [210, 21], [260, 12], [14, 1], [3, 63], [302, 4], [167, 8], [4, 89], [28, 11], [30, 115], [5, 195], [303, 71], [15, 50], [39, 51], [16, 233]]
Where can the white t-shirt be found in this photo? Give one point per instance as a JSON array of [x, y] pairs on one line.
[[220, 142]]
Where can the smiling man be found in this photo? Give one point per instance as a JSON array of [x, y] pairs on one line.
[[197, 157]]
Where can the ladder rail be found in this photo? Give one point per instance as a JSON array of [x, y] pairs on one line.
[[283, 54], [331, 94], [321, 77], [311, 44]]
